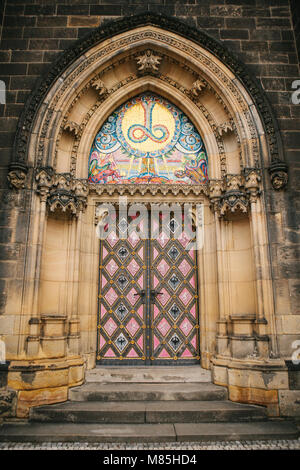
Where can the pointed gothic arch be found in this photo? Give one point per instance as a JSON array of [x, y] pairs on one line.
[[114, 63]]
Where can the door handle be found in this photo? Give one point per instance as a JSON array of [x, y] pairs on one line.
[[142, 294], [153, 294]]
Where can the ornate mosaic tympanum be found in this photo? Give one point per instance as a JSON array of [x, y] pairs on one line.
[[148, 140], [147, 298]]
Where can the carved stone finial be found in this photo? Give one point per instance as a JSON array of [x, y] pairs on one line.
[[61, 195], [148, 62], [252, 180], [81, 191], [215, 191], [235, 201], [17, 175], [44, 178], [230, 197], [279, 174], [62, 181], [234, 182]]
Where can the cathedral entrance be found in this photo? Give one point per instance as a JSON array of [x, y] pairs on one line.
[[148, 302]]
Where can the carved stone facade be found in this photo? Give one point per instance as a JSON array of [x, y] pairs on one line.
[[61, 191], [239, 320]]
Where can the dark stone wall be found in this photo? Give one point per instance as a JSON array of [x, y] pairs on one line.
[[260, 32], [295, 11]]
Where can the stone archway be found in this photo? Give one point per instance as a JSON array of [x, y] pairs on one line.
[[57, 318]]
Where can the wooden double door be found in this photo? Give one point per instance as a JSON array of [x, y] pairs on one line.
[[148, 302]]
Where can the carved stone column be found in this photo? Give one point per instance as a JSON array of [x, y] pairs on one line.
[[265, 307], [252, 180], [74, 323], [222, 339], [44, 178]]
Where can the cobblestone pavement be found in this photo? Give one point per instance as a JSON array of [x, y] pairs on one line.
[[215, 445]]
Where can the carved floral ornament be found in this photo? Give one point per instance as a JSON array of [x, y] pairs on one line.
[[230, 197], [148, 62], [17, 176], [61, 192]]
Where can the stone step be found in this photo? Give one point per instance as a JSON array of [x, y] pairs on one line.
[[94, 391], [48, 432], [147, 412], [153, 374]]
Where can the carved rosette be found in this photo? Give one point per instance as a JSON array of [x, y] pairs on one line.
[[17, 175], [279, 174], [61, 191]]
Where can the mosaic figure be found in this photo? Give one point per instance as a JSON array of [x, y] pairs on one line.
[[148, 140]]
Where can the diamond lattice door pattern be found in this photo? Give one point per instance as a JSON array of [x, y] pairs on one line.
[[147, 298]]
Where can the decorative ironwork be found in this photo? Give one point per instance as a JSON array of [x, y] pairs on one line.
[[174, 311], [121, 302], [173, 253]]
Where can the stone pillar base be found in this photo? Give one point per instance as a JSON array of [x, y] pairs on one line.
[[42, 382], [252, 381]]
